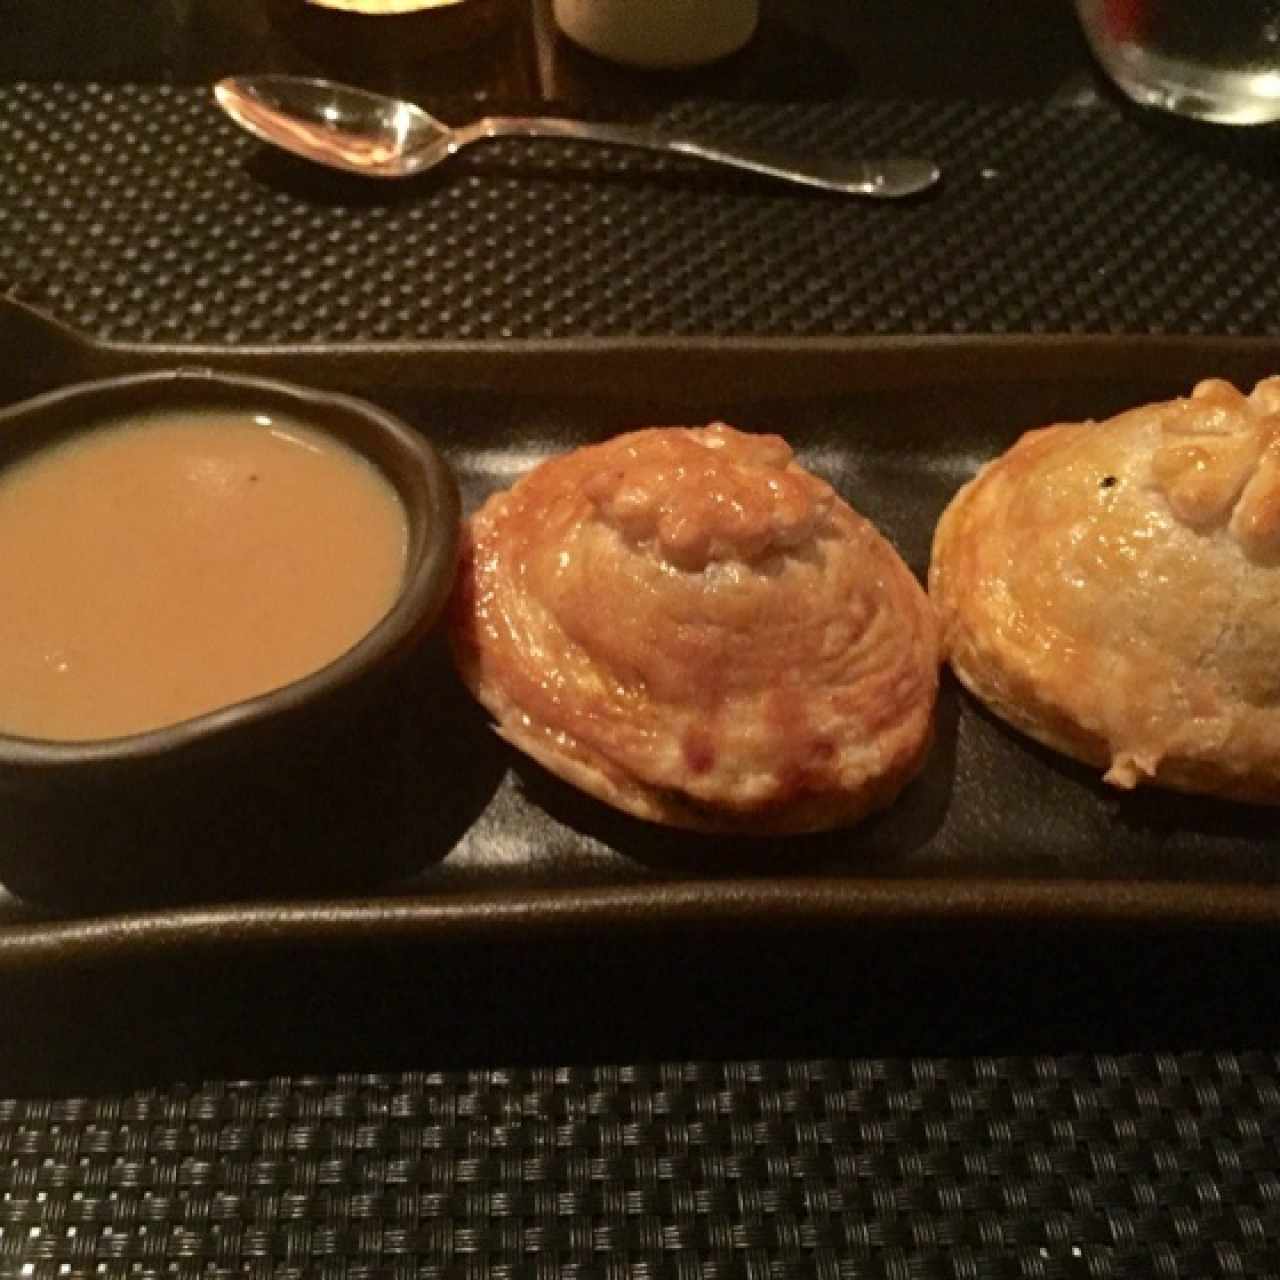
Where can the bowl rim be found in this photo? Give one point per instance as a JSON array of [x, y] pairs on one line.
[[433, 517]]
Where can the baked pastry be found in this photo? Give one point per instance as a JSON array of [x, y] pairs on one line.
[[687, 625], [1113, 590]]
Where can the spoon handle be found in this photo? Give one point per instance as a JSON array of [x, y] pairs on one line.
[[886, 178]]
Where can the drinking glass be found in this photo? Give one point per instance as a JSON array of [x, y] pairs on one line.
[[1213, 60]]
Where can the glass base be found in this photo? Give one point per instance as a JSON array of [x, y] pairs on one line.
[[1194, 89], [1194, 58]]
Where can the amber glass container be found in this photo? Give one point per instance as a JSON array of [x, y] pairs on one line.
[[389, 31]]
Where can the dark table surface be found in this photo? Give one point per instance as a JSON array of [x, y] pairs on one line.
[[687, 993], [775, 1104]]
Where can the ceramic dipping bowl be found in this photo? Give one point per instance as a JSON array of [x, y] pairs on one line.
[[296, 791]]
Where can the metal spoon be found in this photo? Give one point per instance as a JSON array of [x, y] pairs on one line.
[[366, 133]]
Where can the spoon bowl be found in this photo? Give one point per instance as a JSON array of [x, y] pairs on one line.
[[337, 125], [375, 136]]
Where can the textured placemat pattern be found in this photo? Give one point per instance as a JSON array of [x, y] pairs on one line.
[[1047, 1167], [140, 213]]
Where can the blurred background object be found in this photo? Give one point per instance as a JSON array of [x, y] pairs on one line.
[[659, 34], [803, 50], [391, 30]]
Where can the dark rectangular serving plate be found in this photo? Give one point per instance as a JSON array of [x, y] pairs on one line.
[[996, 829]]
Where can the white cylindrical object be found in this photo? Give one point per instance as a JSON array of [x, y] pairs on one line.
[[659, 34]]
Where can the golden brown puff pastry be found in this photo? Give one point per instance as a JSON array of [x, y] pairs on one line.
[[692, 628], [1113, 590]]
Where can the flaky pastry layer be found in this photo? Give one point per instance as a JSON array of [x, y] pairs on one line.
[[1113, 590], [689, 626]]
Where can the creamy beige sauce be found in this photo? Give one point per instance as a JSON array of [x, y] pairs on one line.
[[156, 569]]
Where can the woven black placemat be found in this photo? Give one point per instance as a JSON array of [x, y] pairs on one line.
[[1049, 1167], [140, 213]]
